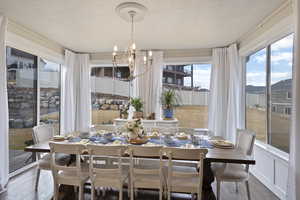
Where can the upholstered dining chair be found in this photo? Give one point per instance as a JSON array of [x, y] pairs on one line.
[[102, 175], [227, 172], [44, 133], [75, 175], [146, 176], [188, 180]]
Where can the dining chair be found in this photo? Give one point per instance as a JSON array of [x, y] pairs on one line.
[[237, 173], [188, 180], [44, 133], [146, 176], [75, 175], [103, 175]]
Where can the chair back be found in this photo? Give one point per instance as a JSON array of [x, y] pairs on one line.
[[74, 149], [96, 151], [147, 152], [245, 141], [42, 133], [185, 154]]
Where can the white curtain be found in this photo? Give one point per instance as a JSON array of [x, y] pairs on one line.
[[225, 104], [293, 191], [76, 86], [4, 167], [148, 86]]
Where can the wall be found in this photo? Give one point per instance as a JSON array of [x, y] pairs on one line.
[[271, 164], [271, 168]]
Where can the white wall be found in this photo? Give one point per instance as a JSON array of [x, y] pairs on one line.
[[271, 164], [271, 168]]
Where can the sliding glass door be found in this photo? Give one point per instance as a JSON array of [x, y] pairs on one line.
[[22, 103], [49, 85]]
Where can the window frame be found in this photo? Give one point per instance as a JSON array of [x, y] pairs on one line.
[[268, 87]]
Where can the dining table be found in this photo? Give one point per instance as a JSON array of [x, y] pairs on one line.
[[214, 155]]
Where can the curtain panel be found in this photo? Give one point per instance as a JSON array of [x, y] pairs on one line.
[[293, 192], [225, 110], [4, 120], [148, 86], [76, 93]]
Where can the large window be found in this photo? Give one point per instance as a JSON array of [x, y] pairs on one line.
[[27, 76], [256, 95], [109, 93], [269, 92], [49, 82], [191, 82], [22, 103]]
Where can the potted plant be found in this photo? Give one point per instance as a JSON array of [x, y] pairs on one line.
[[169, 100], [138, 105]]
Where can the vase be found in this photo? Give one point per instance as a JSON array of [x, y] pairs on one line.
[[137, 115], [168, 113]]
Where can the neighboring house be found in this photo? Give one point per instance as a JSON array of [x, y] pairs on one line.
[[174, 75], [281, 96]]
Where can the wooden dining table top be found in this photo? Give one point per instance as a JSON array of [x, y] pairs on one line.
[[213, 155]]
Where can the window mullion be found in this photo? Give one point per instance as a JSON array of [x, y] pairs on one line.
[[268, 93]]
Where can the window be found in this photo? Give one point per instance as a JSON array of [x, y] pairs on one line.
[[107, 101], [281, 57], [49, 81], [289, 95], [268, 93], [288, 111], [192, 87], [256, 94], [22, 104]]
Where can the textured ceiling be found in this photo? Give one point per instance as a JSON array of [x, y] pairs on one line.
[[93, 25]]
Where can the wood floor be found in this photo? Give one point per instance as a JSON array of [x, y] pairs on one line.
[[21, 187]]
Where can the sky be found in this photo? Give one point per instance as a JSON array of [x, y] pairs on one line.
[[201, 76], [281, 63]]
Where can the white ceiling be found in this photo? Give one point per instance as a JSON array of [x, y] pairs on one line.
[[93, 25]]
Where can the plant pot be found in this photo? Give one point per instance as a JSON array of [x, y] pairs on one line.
[[168, 113], [124, 116], [137, 115]]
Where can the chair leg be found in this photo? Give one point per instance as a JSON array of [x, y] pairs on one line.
[[56, 192], [81, 192], [169, 193], [160, 193], [248, 190], [37, 179], [131, 191], [92, 192], [218, 189], [121, 192], [236, 187]]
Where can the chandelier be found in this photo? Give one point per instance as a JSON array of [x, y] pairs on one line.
[[132, 12]]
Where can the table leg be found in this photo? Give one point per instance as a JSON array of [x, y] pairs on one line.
[[208, 179]]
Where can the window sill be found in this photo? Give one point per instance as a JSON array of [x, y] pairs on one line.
[[273, 150]]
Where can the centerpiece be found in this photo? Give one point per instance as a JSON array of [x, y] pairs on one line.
[[136, 133]]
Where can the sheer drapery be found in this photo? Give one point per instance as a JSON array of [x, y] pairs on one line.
[[76, 93], [293, 192], [148, 86], [4, 163], [225, 104]]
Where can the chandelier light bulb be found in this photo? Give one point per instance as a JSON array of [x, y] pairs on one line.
[[150, 53], [133, 46], [114, 53], [115, 48], [145, 59], [130, 59]]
